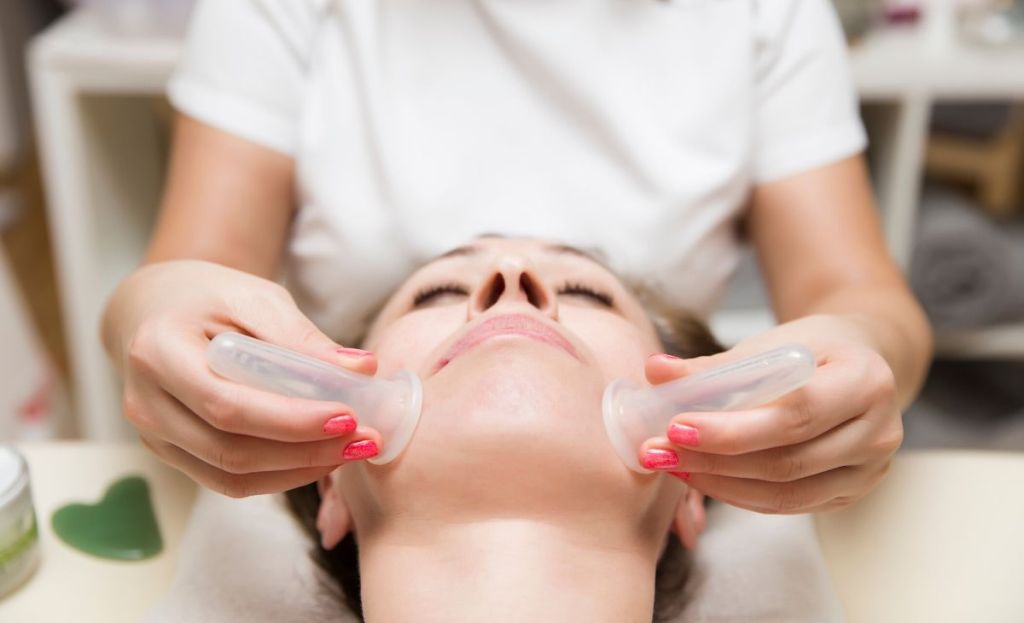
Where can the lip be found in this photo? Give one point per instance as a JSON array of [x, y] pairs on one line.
[[506, 324]]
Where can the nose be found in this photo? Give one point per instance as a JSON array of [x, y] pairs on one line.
[[512, 280]]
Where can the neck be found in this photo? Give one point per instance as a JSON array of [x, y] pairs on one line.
[[507, 570]]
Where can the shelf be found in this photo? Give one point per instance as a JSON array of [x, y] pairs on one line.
[[105, 62], [930, 58], [1000, 342]]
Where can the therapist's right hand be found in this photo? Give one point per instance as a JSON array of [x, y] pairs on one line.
[[230, 438]]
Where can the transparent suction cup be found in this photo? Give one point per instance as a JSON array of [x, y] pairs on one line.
[[391, 406], [634, 413]]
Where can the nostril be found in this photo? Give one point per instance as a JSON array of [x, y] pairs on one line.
[[496, 289], [533, 293]]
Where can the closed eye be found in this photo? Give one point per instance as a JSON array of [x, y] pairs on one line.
[[579, 289], [430, 293]]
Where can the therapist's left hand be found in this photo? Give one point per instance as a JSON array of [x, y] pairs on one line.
[[819, 448]]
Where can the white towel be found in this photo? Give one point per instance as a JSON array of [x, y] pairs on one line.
[[247, 560]]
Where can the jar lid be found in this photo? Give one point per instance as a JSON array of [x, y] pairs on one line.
[[13, 473]]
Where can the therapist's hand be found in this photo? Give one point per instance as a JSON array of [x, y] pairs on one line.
[[228, 437], [819, 448]]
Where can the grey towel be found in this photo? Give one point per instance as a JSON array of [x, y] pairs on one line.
[[967, 269]]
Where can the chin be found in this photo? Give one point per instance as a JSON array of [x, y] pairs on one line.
[[515, 382]]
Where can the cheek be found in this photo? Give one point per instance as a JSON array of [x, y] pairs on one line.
[[617, 347], [412, 341]]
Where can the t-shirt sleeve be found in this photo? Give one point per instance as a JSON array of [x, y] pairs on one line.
[[243, 67], [806, 113]]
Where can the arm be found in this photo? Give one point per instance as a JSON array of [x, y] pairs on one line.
[[835, 290], [821, 251], [228, 205], [227, 200]]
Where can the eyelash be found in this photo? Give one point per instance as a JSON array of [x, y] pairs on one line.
[[585, 290], [570, 287]]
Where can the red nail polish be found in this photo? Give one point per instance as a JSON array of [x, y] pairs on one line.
[[360, 450], [684, 435], [659, 459], [353, 352], [340, 425], [680, 475]]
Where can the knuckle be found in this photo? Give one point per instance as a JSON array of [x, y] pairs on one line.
[[312, 459], [841, 502], [785, 466], [801, 419], [881, 473], [142, 348], [233, 460], [786, 499], [278, 291], [221, 409], [136, 411], [883, 383], [234, 486], [889, 441], [707, 464]]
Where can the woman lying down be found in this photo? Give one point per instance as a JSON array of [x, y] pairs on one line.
[[509, 504]]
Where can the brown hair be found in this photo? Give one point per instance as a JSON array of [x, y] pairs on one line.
[[681, 335]]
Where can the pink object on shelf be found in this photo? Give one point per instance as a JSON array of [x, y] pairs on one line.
[[902, 12]]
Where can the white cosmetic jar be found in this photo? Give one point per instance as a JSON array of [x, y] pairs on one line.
[[19, 533]]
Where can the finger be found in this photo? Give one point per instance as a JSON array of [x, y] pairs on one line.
[[695, 499], [686, 528], [854, 442], [234, 485], [834, 395], [231, 407], [836, 487], [276, 319], [242, 454]]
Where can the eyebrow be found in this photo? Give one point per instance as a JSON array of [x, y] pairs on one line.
[[471, 249]]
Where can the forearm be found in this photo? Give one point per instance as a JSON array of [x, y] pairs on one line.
[[891, 322], [821, 249]]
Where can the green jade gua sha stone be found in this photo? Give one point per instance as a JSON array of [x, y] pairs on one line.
[[121, 526]]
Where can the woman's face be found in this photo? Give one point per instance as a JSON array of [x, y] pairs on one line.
[[515, 341]]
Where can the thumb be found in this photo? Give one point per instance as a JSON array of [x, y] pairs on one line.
[[662, 367], [281, 322]]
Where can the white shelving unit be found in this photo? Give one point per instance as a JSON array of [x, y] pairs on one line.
[[901, 73], [103, 186]]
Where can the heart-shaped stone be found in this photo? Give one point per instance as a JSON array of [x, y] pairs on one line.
[[121, 526]]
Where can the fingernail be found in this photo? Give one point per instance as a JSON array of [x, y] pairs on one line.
[[360, 450], [659, 459], [340, 425], [664, 356], [683, 435], [353, 352], [680, 475]]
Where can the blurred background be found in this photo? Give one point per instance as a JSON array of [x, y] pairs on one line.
[[84, 132]]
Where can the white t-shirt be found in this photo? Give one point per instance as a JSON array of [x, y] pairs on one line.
[[636, 127]]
